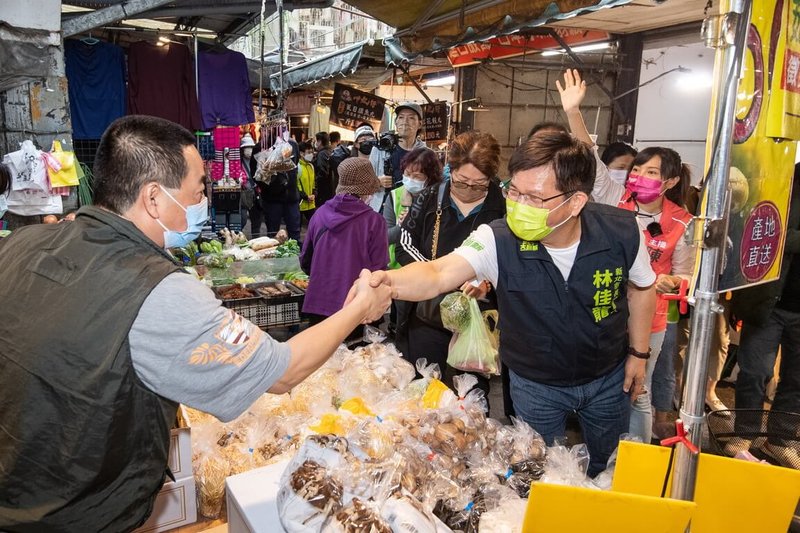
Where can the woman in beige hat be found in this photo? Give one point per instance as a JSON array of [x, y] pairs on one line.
[[344, 236]]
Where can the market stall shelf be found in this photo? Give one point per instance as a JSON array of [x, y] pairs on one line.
[[267, 305]]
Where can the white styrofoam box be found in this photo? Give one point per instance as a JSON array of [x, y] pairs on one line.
[[175, 506], [253, 500]]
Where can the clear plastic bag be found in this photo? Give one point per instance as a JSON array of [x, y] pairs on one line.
[[310, 492], [475, 349], [276, 159], [567, 466], [210, 467]]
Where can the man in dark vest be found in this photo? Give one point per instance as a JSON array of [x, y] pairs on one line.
[[104, 334], [574, 289]]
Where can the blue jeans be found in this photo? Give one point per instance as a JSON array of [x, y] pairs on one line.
[[757, 353], [602, 406], [642, 411], [664, 381]]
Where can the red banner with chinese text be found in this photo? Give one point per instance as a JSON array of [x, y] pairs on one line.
[[517, 45]]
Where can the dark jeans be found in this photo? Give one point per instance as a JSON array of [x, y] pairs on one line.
[[602, 406], [757, 353], [256, 221], [288, 213]]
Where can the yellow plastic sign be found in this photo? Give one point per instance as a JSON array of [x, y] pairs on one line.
[[732, 496], [577, 510]]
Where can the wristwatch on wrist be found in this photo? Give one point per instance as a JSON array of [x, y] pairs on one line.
[[639, 355]]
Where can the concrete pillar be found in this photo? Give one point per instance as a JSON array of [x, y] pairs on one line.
[[34, 103]]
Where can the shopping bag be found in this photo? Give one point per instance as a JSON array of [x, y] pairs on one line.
[[67, 174], [27, 168], [475, 349], [30, 202]]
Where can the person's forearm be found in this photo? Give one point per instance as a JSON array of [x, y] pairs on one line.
[[312, 347], [578, 127], [418, 282], [642, 307]]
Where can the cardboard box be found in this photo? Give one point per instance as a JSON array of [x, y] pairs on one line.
[[180, 452], [175, 506]]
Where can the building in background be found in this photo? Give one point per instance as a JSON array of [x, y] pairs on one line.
[[310, 33]]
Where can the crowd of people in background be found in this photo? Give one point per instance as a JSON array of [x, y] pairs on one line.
[[432, 204]]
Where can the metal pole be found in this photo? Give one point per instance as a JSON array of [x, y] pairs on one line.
[[196, 79], [726, 33], [196, 67], [261, 61], [282, 48]]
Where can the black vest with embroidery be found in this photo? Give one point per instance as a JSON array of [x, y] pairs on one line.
[[83, 443], [567, 332]]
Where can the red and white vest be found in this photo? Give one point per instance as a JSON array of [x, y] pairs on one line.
[[674, 221]]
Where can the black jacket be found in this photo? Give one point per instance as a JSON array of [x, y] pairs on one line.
[[84, 444], [416, 235]]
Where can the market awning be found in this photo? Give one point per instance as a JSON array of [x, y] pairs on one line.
[[427, 26], [340, 63]]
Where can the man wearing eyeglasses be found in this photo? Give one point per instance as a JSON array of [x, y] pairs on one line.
[[575, 294]]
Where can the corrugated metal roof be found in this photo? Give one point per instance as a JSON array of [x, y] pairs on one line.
[[228, 19]]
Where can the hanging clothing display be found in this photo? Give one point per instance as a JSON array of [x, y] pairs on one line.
[[205, 145], [96, 76], [320, 119], [161, 83], [225, 96], [227, 137]]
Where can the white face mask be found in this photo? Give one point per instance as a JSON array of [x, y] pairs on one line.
[[3, 205], [618, 175], [247, 152], [308, 157]]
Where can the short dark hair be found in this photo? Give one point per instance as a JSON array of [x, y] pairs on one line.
[[323, 137], [428, 162], [335, 137], [304, 146], [480, 149], [671, 167], [547, 125], [136, 150], [615, 150], [572, 160]]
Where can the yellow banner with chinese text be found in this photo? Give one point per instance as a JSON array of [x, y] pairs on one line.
[[762, 166]]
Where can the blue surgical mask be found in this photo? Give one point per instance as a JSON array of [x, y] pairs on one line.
[[196, 216], [413, 186]]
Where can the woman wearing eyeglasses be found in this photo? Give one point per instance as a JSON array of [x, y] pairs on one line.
[[439, 221], [655, 190]]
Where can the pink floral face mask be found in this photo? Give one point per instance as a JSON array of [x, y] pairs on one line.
[[643, 189]]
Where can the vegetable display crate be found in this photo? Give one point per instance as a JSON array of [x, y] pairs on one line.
[[267, 311]]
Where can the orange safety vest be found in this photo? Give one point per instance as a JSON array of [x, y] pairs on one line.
[[674, 221]]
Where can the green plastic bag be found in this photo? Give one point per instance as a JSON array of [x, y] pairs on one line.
[[475, 348]]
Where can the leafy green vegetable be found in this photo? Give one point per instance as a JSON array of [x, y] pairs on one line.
[[288, 249], [296, 275], [455, 312]]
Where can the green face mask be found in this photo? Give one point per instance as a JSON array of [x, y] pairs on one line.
[[530, 223]]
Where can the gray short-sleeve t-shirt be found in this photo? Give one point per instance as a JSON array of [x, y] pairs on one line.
[[188, 348]]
